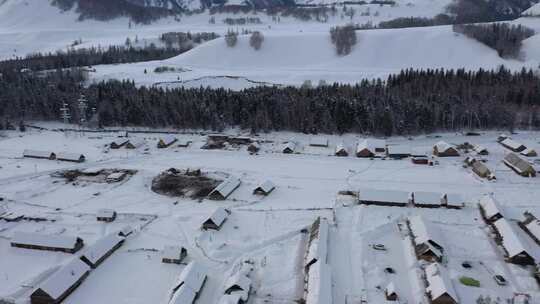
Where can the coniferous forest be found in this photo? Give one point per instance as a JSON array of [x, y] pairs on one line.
[[410, 102]]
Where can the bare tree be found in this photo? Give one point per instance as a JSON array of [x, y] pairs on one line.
[[256, 40], [344, 38], [231, 38]]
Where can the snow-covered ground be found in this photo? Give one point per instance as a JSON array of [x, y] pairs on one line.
[[264, 232]]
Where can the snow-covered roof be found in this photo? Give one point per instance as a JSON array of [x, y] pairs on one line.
[[318, 141], [219, 216], [45, 240], [479, 149], [105, 213], [192, 276], [533, 11], [168, 139], [340, 147], [172, 252], [517, 163], [92, 170], [442, 146], [529, 152], [454, 199], [491, 206], [266, 186], [427, 198], [60, 281], [510, 143], [425, 231], [376, 195], [319, 287], [399, 150], [184, 295], [318, 246], [515, 241], [291, 145], [439, 282], [390, 288], [37, 153], [120, 141], [233, 298], [534, 228], [101, 247], [241, 282], [371, 145], [126, 230], [136, 142], [115, 175], [227, 186], [69, 156]]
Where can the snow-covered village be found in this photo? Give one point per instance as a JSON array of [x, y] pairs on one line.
[[279, 152]]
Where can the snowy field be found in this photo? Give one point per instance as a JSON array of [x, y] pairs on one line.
[[266, 233]]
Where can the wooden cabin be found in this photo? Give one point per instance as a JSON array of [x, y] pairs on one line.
[[519, 165], [94, 255], [39, 154], [173, 254], [444, 149], [71, 157], [106, 215], [37, 241], [225, 188], [166, 141], [216, 220], [264, 188]]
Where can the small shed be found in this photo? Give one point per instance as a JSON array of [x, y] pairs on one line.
[[444, 149], [520, 249], [39, 154], [71, 157], [480, 150], [453, 201], [119, 143], [502, 137], [420, 160], [189, 284], [125, 231], [238, 284], [398, 152], [513, 145], [318, 142], [490, 209], [135, 143], [61, 283], [519, 165], [216, 220], [166, 141], [106, 215], [427, 199], [395, 198], [365, 148], [289, 147], [115, 177], [253, 147], [101, 249], [440, 288], [481, 170], [173, 254], [341, 150], [223, 190], [529, 152], [37, 241], [390, 292], [265, 188], [428, 252]]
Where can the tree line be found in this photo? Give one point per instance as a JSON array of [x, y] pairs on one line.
[[410, 102]]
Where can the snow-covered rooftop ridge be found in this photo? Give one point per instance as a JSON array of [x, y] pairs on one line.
[[227, 186], [219, 215], [319, 289], [515, 241], [533, 11], [442, 146], [192, 277], [439, 282], [37, 153], [172, 252], [64, 278], [266, 186], [377, 195], [101, 247], [318, 244], [427, 198], [425, 231], [491, 206], [105, 212], [512, 143], [45, 240]]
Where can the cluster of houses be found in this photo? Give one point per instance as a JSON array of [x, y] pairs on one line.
[[519, 240], [317, 271], [68, 277], [62, 156], [420, 199]]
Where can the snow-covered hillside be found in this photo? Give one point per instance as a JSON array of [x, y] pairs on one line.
[[295, 57]]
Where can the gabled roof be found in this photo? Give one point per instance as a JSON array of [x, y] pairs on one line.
[[36, 153], [238, 282], [168, 139], [226, 187], [65, 277], [318, 141], [427, 198], [120, 141], [454, 199], [105, 213], [398, 150], [183, 295], [192, 276], [371, 145], [101, 247], [319, 287], [291, 145], [318, 245], [376, 195], [219, 216], [390, 289], [340, 147], [534, 228], [529, 152], [443, 146], [491, 206], [266, 186], [126, 230], [173, 252], [517, 163], [136, 142], [233, 298], [425, 232], [439, 282], [45, 240], [69, 156], [514, 240], [512, 144], [479, 149]]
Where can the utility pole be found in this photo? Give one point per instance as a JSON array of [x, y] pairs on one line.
[[83, 105], [64, 114]]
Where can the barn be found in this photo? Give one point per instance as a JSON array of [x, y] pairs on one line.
[[444, 149], [520, 249], [166, 141], [223, 190], [173, 254], [106, 215], [61, 283], [420, 160], [369, 147], [119, 143], [94, 255], [519, 165], [384, 197], [532, 226], [189, 285], [135, 143], [216, 220], [39, 154], [71, 157], [427, 199], [490, 209], [265, 188], [37, 241], [513, 145], [341, 150], [440, 288]]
